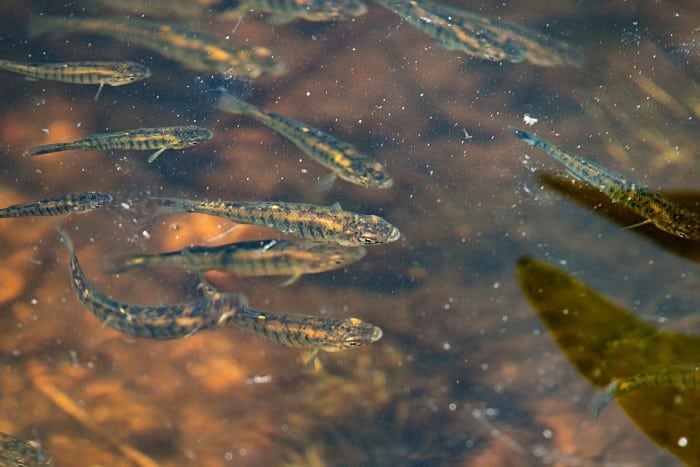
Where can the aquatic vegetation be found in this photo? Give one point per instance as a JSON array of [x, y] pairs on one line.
[[612, 348]]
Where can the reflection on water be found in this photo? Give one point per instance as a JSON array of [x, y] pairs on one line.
[[465, 373]]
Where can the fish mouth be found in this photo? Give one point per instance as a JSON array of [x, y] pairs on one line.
[[377, 334], [394, 235]]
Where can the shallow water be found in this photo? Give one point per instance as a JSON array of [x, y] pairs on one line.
[[465, 373]]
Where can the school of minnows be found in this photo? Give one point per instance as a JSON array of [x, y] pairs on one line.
[[324, 237]]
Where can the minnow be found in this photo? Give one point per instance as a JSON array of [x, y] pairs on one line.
[[95, 73], [173, 321], [458, 29], [58, 205], [284, 11], [193, 49], [342, 158], [255, 258], [181, 9], [682, 377], [161, 139], [308, 332], [307, 221], [17, 452], [653, 206]]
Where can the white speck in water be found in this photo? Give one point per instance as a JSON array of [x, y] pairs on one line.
[[308, 93], [146, 235], [452, 406], [496, 285], [34, 301], [484, 366], [682, 441], [125, 206], [446, 346], [547, 433], [228, 456], [258, 379], [45, 130], [529, 120]]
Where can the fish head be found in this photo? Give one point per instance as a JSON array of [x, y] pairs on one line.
[[128, 72], [328, 256], [374, 175], [370, 230], [191, 135], [350, 333]]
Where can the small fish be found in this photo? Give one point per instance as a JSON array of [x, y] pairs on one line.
[[682, 377], [284, 11], [161, 139], [656, 208], [459, 29], [307, 221], [342, 158], [97, 73], [58, 205], [257, 258], [193, 49], [181, 9], [308, 332], [18, 452], [156, 322]]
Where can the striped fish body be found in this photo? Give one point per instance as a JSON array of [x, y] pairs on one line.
[[659, 210], [266, 258], [340, 157], [458, 29], [111, 73], [307, 221], [284, 11], [683, 377], [308, 332], [18, 452], [58, 205], [155, 322], [177, 137], [193, 49]]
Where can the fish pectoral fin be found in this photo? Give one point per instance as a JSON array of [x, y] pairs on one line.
[[313, 364], [638, 224], [99, 90], [155, 155], [205, 287], [325, 183], [291, 280]]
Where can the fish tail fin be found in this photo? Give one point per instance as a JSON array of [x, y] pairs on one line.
[[46, 26], [232, 104], [46, 149], [602, 399], [65, 238]]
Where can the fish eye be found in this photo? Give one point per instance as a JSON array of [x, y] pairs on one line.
[[368, 239]]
